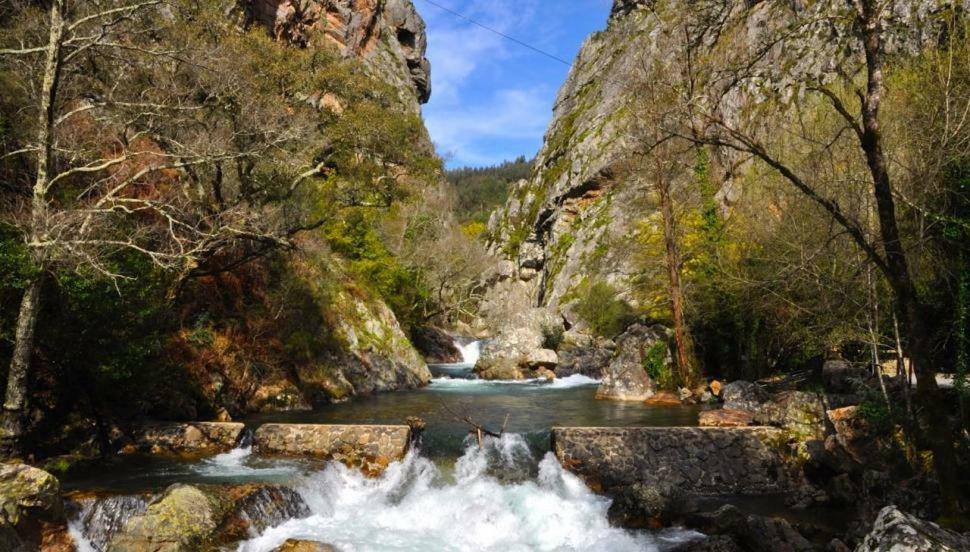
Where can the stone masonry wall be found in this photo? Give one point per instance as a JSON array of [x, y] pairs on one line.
[[696, 460], [368, 447]]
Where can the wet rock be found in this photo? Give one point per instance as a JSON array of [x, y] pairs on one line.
[[185, 439], [436, 346], [294, 545], [31, 511], [725, 417], [190, 518], [369, 448], [101, 517], [895, 530], [664, 398], [697, 460], [743, 395], [626, 378], [752, 533], [589, 360], [545, 374], [714, 543], [541, 358], [641, 506]]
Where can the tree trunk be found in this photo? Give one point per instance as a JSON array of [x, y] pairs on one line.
[[16, 396], [685, 365], [16, 392], [936, 418]]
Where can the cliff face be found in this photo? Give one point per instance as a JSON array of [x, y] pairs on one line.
[[388, 35], [575, 217]]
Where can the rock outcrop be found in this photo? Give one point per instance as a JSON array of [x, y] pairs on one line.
[[694, 460], [895, 530], [369, 448], [626, 377], [388, 35], [436, 346], [31, 511], [185, 439]]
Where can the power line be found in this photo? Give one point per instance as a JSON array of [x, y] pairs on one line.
[[500, 33]]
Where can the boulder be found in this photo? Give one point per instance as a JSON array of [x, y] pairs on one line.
[[743, 395], [541, 358], [31, 511], [294, 545], [187, 518], [895, 530], [750, 532], [185, 439], [801, 413], [641, 506], [370, 448], [664, 398], [511, 353], [588, 360], [725, 417], [840, 376], [626, 377], [853, 434], [436, 346]]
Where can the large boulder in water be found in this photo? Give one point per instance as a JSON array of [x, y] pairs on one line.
[[435, 345], [189, 518], [750, 533], [31, 511], [626, 377], [895, 530]]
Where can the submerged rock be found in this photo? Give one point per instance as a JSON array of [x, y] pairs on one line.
[[626, 377], [895, 530], [750, 532]]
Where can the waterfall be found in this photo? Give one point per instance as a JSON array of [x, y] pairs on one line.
[[498, 498], [469, 351], [97, 519]]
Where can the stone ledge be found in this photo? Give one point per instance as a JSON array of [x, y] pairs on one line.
[[368, 447], [698, 460], [181, 439]]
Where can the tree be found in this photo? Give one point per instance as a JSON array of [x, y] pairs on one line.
[[139, 147], [829, 56]]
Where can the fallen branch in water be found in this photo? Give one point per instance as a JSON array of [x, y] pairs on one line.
[[477, 429]]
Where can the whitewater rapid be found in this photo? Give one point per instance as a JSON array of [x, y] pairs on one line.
[[494, 501]]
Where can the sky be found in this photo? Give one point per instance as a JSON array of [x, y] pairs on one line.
[[492, 98]]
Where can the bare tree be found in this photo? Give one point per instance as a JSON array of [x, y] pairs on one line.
[[128, 157]]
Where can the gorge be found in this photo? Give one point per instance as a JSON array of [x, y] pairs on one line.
[[244, 307]]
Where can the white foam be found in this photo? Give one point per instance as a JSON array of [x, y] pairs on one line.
[[469, 351], [239, 462], [575, 380], [413, 508]]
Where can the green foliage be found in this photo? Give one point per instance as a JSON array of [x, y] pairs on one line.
[[481, 190], [877, 414], [656, 365], [607, 315], [552, 336]]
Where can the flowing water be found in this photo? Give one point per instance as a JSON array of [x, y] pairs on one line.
[[511, 494]]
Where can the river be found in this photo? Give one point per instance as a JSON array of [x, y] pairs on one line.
[[450, 495]]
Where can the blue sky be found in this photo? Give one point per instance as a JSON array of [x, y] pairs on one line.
[[492, 99]]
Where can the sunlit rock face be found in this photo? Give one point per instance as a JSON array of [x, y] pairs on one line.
[[390, 35]]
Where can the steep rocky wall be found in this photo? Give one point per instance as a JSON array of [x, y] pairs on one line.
[[389, 35]]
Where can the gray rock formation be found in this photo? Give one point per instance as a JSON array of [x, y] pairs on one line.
[[897, 531], [626, 377], [185, 439], [714, 461], [389, 36]]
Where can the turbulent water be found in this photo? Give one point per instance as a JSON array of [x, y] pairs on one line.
[[491, 502]]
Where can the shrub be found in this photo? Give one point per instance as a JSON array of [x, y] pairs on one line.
[[606, 314], [552, 336]]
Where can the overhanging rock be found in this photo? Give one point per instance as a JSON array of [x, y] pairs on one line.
[[697, 460]]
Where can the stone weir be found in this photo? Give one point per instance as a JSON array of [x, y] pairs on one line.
[[370, 448], [696, 460]]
